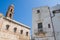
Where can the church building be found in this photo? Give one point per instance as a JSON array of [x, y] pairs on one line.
[[11, 29]]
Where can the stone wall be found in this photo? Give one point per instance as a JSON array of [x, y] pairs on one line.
[[10, 34]]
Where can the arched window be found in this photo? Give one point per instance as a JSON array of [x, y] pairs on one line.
[[15, 29], [10, 15], [7, 27], [11, 10]]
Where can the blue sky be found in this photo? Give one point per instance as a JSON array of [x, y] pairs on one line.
[[23, 8]]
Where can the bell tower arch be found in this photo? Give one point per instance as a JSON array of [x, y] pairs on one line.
[[10, 11]]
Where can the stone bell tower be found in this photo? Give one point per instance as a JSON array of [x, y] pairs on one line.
[[10, 11]]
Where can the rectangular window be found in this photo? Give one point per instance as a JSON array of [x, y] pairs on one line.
[[40, 27], [21, 31], [7, 27], [56, 11], [15, 29], [38, 11], [49, 26]]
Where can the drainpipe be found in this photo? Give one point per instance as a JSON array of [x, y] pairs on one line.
[[52, 24]]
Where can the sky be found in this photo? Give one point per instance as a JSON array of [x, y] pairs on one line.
[[23, 8]]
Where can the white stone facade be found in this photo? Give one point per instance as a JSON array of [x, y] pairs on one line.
[[50, 23]]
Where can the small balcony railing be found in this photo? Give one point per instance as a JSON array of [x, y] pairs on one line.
[[40, 33]]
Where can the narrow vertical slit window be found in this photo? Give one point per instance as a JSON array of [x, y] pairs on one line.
[[49, 26]]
